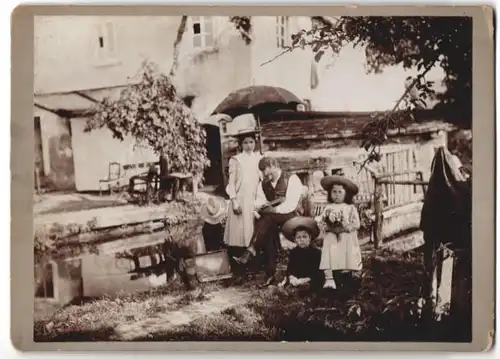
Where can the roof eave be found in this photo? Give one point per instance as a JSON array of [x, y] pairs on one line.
[[415, 130]]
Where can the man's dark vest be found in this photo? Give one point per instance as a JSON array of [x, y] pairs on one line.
[[279, 191], [273, 193]]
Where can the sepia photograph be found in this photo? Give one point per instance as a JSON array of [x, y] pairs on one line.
[[252, 178]]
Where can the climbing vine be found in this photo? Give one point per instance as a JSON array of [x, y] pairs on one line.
[[152, 113]]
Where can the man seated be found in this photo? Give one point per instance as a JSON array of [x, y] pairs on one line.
[[278, 199]]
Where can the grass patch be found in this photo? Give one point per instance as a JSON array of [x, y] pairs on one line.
[[93, 319], [384, 306]]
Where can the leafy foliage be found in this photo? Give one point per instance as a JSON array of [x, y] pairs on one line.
[[156, 117], [460, 144], [243, 25]]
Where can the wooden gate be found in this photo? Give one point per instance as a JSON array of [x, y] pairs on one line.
[[394, 189]]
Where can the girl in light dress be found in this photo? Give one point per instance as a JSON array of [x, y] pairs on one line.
[[244, 177], [339, 224]]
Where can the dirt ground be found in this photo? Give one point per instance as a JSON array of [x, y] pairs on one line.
[[51, 203]]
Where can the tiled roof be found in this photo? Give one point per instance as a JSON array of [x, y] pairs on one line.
[[335, 126]]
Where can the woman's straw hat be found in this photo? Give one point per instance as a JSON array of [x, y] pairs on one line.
[[248, 132], [295, 223], [214, 210], [328, 182]]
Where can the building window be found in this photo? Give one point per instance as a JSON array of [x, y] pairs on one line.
[[202, 31], [105, 41], [282, 31]]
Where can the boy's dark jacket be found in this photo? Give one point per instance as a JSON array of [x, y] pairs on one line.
[[304, 263]]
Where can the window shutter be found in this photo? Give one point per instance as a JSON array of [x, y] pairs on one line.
[[110, 37]]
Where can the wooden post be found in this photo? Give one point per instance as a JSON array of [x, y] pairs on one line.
[[461, 298], [261, 142], [378, 207], [310, 193]]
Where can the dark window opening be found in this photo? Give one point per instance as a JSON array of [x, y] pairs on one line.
[[197, 28], [188, 100], [101, 42]]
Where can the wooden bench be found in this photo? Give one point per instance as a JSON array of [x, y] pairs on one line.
[[152, 181]]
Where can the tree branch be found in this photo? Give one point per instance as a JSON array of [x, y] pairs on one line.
[[408, 89], [333, 27], [175, 57], [246, 34], [289, 49], [419, 76], [374, 152]]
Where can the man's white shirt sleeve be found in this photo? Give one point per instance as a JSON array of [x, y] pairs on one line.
[[293, 195]]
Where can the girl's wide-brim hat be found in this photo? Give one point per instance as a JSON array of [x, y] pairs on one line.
[[214, 210], [328, 182], [307, 223]]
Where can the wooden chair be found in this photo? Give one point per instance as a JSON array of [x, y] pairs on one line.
[[113, 179]]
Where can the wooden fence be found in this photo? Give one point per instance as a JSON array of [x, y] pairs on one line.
[[395, 165]]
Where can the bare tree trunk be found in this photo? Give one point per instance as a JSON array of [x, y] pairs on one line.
[[175, 64], [180, 33]]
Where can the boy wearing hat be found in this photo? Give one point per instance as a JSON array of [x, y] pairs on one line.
[[213, 213], [304, 259]]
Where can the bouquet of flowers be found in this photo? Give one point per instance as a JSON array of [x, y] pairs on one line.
[[333, 217]]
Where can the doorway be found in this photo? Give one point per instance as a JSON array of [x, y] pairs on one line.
[[213, 174]]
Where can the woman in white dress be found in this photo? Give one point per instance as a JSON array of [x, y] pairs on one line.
[[244, 177]]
